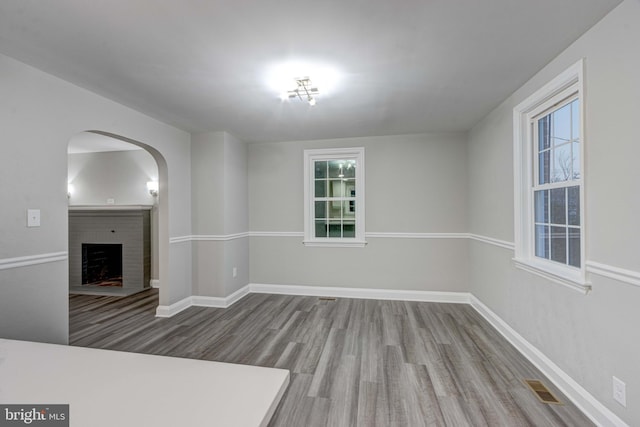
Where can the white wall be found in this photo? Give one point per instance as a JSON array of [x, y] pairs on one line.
[[220, 214], [415, 184], [39, 114], [590, 337], [118, 175]]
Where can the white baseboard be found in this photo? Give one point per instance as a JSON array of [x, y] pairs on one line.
[[580, 397], [218, 302], [201, 301], [175, 308], [362, 293]]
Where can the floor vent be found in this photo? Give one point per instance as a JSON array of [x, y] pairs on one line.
[[326, 298], [542, 392]]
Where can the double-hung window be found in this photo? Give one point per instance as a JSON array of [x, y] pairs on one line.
[[334, 197], [549, 190]]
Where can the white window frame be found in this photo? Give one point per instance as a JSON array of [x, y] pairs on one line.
[[567, 84], [326, 154]]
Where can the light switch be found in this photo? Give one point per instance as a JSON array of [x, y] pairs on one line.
[[33, 217]]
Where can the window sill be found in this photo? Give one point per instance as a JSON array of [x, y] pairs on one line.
[[335, 243], [570, 279]]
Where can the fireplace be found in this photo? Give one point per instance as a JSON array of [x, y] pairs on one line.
[[102, 264], [109, 250]]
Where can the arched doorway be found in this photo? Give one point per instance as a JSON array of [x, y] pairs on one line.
[[160, 228]]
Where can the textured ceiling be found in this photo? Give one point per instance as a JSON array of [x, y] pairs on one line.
[[407, 66]]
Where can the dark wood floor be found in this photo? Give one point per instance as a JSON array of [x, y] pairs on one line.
[[352, 362]]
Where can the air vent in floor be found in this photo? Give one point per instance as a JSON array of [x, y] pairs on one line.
[[542, 392]]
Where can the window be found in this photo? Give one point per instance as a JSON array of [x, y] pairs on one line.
[[334, 197], [549, 190]]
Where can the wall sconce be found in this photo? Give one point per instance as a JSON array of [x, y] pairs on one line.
[[69, 190], [152, 186]]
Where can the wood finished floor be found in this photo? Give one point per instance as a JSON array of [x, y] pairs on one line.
[[352, 362]]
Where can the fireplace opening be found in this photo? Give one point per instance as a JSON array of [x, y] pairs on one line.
[[102, 264]]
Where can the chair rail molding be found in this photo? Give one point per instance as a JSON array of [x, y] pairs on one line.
[[25, 261]]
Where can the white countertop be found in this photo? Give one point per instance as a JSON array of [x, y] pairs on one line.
[[112, 388]]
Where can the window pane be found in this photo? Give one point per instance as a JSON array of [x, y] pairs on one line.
[[542, 241], [321, 210], [336, 188], [335, 229], [558, 206], [335, 209], [544, 167], [349, 209], [321, 170], [350, 188], [574, 247], [337, 168], [543, 133], [321, 189], [576, 160], [542, 206], [321, 229], [561, 120], [350, 169], [349, 229], [575, 118], [562, 163], [573, 205], [559, 244]]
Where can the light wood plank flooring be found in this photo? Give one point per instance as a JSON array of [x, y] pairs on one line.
[[352, 362]]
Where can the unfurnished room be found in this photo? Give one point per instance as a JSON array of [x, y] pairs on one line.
[[341, 213]]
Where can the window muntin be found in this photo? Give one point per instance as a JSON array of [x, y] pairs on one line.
[[557, 181], [334, 209]]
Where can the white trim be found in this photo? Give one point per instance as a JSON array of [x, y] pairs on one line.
[[390, 235], [276, 234], [400, 235], [491, 241], [218, 302], [620, 274], [580, 397], [309, 158], [554, 274], [154, 283], [563, 86], [175, 308], [110, 207], [209, 237], [362, 293], [181, 239], [219, 238], [26, 261], [331, 243], [202, 301]]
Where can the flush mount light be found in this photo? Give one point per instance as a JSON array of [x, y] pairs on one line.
[[304, 90], [303, 80]]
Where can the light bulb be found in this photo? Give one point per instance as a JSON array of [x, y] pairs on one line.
[[312, 101]]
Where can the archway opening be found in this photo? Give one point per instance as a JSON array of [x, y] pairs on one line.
[[125, 178]]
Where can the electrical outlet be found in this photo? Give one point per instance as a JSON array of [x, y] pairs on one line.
[[619, 392], [235, 271]]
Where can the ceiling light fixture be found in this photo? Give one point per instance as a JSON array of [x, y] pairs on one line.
[[304, 91]]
